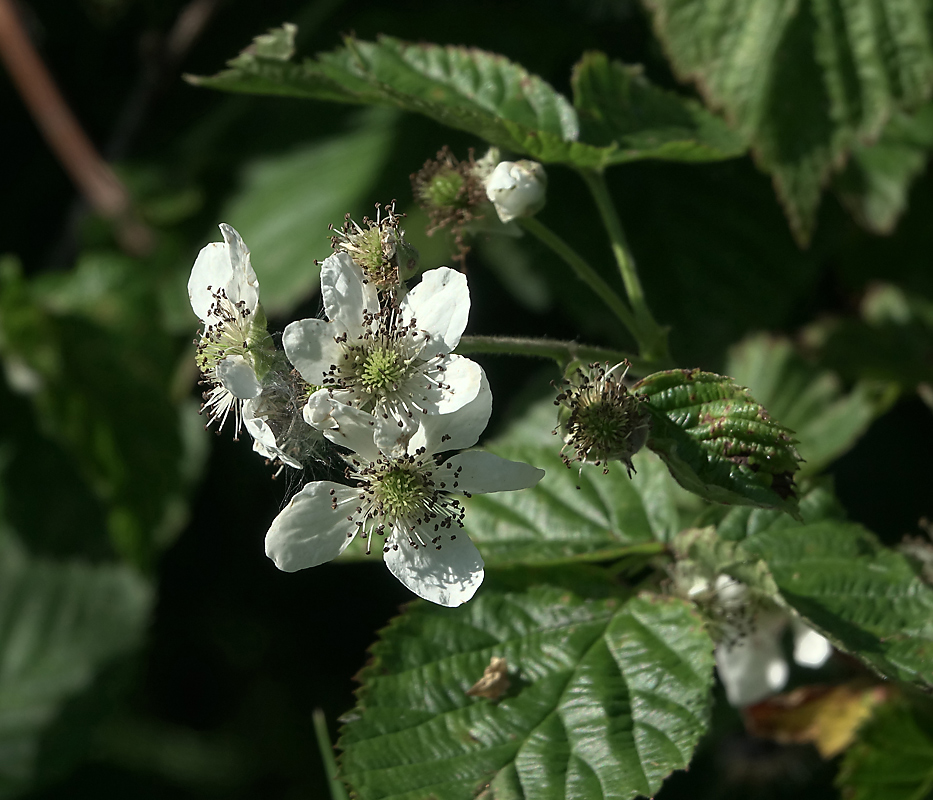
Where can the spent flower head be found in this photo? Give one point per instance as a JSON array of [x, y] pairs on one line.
[[378, 246], [599, 419], [387, 356], [404, 497], [452, 193], [233, 348]]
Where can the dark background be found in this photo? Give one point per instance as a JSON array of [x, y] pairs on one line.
[[219, 702]]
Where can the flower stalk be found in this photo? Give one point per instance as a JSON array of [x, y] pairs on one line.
[[651, 337]]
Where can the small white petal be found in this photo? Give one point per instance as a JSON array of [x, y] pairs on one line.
[[244, 285], [222, 266], [344, 425], [309, 531], [211, 271], [263, 438], [237, 376], [449, 576], [754, 667], [461, 378], [346, 295], [440, 305], [310, 347], [811, 649], [457, 430], [482, 472]]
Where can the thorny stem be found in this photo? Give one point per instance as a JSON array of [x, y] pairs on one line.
[[652, 338], [561, 352], [583, 270]]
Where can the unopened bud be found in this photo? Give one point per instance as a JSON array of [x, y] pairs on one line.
[[517, 189]]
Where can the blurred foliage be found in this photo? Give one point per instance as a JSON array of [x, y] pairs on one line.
[[147, 647]]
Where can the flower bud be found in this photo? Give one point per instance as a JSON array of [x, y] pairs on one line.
[[599, 419], [517, 189]]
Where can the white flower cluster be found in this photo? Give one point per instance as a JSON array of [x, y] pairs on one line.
[[379, 378], [750, 657]]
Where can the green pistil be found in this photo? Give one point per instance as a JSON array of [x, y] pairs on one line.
[[402, 493], [444, 190], [368, 250], [382, 369]]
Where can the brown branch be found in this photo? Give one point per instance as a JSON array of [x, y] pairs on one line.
[[90, 173]]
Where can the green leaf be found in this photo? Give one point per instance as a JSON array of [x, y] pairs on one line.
[[876, 181], [607, 517], [488, 96], [606, 699], [803, 80], [286, 202], [135, 447], [717, 441], [59, 623], [892, 759], [619, 107], [866, 599], [809, 400]]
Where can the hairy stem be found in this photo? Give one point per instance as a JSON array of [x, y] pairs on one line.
[[583, 271], [561, 352], [652, 338]]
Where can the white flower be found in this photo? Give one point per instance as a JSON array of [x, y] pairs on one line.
[[224, 293], [405, 498], [517, 189], [393, 360], [750, 659]]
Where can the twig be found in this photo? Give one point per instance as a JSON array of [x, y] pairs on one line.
[[90, 173]]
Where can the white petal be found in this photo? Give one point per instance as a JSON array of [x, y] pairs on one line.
[[346, 425], [482, 472], [440, 305], [754, 667], [310, 347], [263, 438], [811, 649], [457, 430], [211, 271], [461, 379], [309, 531], [244, 285], [237, 376], [449, 576], [346, 296]]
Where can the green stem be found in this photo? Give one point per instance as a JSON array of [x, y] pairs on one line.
[[583, 271], [652, 338], [337, 790], [561, 352]]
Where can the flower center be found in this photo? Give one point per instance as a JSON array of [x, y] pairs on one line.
[[402, 493], [399, 500], [382, 370]]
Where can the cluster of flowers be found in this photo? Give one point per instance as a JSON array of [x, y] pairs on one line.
[[377, 377]]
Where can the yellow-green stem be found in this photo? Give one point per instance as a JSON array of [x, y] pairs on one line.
[[561, 352], [583, 270], [652, 338]]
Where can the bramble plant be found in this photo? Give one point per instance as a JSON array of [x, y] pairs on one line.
[[647, 553]]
